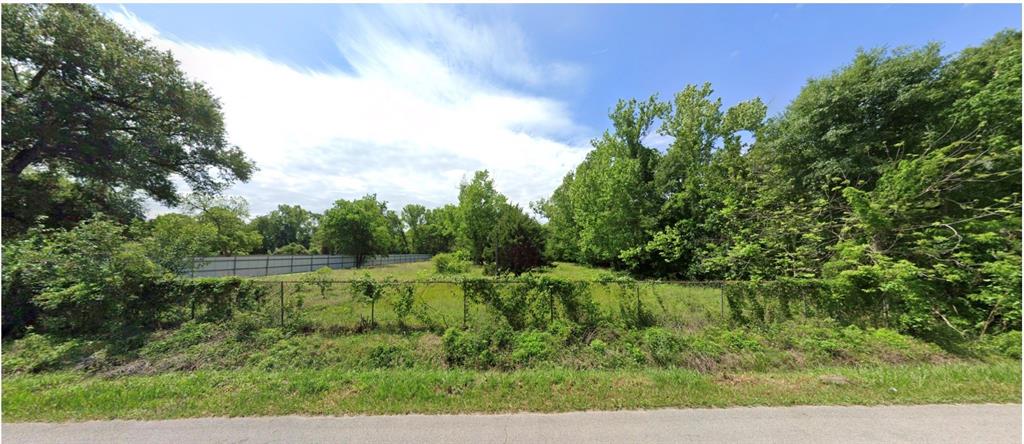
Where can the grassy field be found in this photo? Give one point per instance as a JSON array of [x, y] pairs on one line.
[[674, 305], [73, 396]]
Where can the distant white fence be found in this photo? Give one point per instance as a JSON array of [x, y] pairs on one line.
[[267, 265]]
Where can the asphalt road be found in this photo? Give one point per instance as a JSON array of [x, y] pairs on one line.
[[986, 423]]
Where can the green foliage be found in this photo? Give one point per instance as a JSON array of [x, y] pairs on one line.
[[291, 249], [321, 279], [55, 200], [287, 227], [464, 348], [227, 217], [119, 115], [216, 299], [533, 346], [367, 289], [439, 231], [767, 302], [479, 206], [88, 279], [360, 228], [518, 241], [176, 239], [451, 263], [1006, 344], [389, 356], [36, 353], [405, 301], [896, 179]]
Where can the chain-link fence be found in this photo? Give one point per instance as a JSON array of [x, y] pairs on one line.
[[268, 265], [349, 306]]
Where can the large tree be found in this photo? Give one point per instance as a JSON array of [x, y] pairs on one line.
[[439, 231], [84, 99], [614, 202], [361, 228], [227, 216], [288, 224], [479, 203]]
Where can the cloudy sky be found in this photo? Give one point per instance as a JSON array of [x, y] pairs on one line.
[[337, 101]]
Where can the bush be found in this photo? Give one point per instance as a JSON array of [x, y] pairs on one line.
[[215, 299], [367, 289], [89, 279], [35, 353], [451, 263], [533, 346], [766, 302], [389, 356], [518, 241], [1006, 344], [321, 279], [661, 346], [463, 348], [291, 249]]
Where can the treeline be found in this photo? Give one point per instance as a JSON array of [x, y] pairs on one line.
[[895, 177], [482, 225]]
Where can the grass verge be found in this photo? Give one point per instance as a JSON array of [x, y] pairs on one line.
[[72, 396]]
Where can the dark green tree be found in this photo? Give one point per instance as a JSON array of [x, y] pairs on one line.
[[85, 100]]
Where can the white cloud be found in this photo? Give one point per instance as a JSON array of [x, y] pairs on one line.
[[432, 98]]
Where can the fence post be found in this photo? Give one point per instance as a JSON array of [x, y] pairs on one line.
[[193, 307], [234, 265], [282, 304], [721, 299], [291, 263], [266, 268], [638, 303], [551, 307]]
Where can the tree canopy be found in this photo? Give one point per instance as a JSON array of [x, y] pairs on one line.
[[361, 228], [897, 177], [88, 105]]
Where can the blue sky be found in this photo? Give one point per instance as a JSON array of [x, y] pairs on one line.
[[336, 101]]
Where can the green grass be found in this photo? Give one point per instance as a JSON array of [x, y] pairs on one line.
[[74, 396], [674, 305], [328, 365]]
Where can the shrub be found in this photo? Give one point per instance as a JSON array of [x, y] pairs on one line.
[[36, 352], [533, 346], [246, 324], [451, 263], [462, 347], [661, 346], [405, 301], [1006, 344], [389, 356], [291, 249], [767, 302], [321, 279], [518, 241], [598, 346], [189, 334], [89, 279], [367, 289], [215, 299]]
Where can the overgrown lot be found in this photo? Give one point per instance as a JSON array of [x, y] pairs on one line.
[[328, 355]]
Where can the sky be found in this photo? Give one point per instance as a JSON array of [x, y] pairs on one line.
[[406, 101]]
